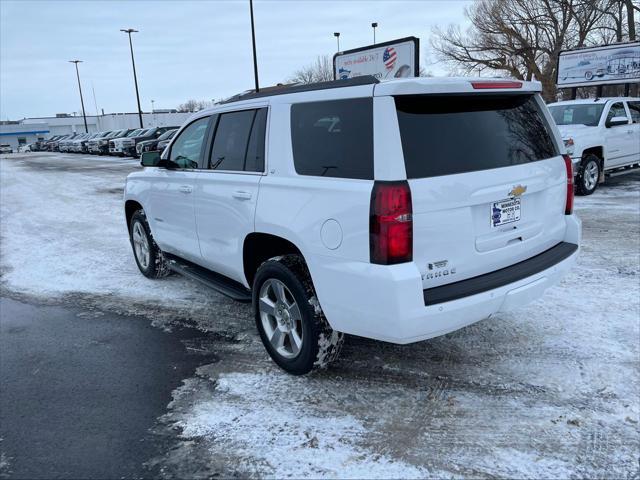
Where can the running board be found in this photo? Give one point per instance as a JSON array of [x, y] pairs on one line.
[[213, 280], [615, 173]]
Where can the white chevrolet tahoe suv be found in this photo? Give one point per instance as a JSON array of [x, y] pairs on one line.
[[601, 135], [397, 210]]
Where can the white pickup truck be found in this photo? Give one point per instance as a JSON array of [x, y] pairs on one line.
[[601, 135]]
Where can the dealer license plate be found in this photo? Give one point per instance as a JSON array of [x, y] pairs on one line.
[[505, 211]]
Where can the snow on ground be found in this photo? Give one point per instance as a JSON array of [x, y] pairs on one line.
[[64, 234], [549, 390]]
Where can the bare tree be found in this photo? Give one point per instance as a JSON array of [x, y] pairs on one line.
[[319, 71], [193, 105], [524, 37]]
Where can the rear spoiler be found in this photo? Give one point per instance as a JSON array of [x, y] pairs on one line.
[[453, 85]]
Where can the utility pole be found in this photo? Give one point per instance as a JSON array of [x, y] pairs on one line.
[[133, 62], [337, 35], [253, 40], [86, 128], [374, 25]]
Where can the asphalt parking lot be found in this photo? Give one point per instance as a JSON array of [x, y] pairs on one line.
[[549, 390]]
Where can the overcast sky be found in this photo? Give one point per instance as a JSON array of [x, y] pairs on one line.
[[185, 49]]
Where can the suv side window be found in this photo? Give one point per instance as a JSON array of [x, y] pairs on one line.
[[617, 110], [239, 141], [254, 161], [187, 148], [333, 138], [634, 109]]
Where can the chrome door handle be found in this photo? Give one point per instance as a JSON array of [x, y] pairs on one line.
[[186, 189], [242, 195]]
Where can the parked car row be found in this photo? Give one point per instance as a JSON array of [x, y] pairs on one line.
[[127, 145], [123, 142], [157, 144]]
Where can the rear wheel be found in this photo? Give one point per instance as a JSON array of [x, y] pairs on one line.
[[289, 319], [588, 175]]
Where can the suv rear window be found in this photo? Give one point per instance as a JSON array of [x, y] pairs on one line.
[[333, 138], [448, 134]]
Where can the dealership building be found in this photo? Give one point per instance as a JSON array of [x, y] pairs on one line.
[[30, 130]]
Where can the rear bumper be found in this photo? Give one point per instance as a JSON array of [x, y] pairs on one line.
[[388, 302], [500, 278]]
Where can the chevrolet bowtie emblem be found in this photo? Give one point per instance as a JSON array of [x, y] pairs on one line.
[[517, 190]]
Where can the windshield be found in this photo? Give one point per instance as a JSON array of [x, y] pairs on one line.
[[577, 114], [167, 135], [134, 133]]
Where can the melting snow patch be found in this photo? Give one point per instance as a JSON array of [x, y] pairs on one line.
[[269, 420]]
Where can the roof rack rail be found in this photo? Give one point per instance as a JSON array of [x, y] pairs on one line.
[[308, 87]]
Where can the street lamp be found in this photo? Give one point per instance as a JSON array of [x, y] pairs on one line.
[[337, 35], [374, 25], [86, 129], [253, 41], [129, 31]]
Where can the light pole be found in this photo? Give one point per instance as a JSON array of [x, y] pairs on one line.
[[337, 35], [374, 25], [253, 40], [129, 31], [153, 112], [86, 129]]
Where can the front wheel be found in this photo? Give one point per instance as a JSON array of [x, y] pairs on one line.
[[289, 319], [148, 255], [588, 175]]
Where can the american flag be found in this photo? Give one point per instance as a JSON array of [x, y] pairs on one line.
[[389, 58]]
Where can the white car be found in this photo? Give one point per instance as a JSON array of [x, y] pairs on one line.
[[5, 148], [397, 210], [601, 135]]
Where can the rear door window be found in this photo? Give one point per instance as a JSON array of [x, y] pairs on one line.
[[333, 138], [254, 161], [230, 144], [239, 141], [449, 134]]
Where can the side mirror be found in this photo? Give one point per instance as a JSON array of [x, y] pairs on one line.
[[150, 159], [615, 121]]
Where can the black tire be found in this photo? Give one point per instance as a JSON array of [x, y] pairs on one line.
[[156, 265], [321, 344], [590, 166]]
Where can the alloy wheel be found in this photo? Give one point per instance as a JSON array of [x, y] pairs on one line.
[[281, 318], [141, 245], [590, 175]]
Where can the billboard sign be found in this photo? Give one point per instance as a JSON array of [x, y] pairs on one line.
[[394, 59], [619, 63]]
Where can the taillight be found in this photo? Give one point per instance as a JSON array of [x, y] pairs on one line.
[[568, 209], [496, 84], [391, 223]]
